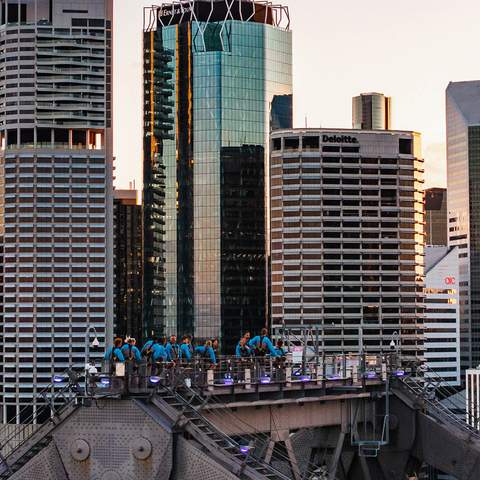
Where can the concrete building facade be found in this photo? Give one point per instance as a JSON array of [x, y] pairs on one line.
[[56, 195], [347, 237]]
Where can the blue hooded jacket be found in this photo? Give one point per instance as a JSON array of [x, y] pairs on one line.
[[203, 351], [114, 352], [147, 346], [255, 341], [170, 349], [185, 352], [238, 351], [136, 352], [159, 353]]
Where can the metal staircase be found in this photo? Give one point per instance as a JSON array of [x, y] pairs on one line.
[[239, 459], [20, 442]]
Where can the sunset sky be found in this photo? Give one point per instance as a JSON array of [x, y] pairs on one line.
[[408, 50]]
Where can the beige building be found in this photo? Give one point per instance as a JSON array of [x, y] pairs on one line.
[[347, 237]]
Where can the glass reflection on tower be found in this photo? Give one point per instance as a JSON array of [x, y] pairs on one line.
[[217, 80]]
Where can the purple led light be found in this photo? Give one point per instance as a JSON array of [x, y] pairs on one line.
[[244, 449], [265, 379], [371, 374], [154, 379], [305, 378], [333, 377], [228, 381], [57, 379], [400, 373], [105, 381]]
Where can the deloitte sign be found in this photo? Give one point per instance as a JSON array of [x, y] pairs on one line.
[[338, 139]]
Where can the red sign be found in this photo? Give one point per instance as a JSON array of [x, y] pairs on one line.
[[450, 280]]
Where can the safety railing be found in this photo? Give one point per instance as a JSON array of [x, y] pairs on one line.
[[35, 420], [427, 389], [247, 373]]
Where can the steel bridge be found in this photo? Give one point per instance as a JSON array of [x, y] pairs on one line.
[[358, 417]]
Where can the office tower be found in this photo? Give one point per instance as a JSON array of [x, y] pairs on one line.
[[436, 223], [371, 111], [56, 162], [217, 80], [463, 177], [442, 313], [347, 238], [128, 263]]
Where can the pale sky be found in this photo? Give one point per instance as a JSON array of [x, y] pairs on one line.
[[408, 50]]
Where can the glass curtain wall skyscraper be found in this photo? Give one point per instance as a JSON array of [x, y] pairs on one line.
[[463, 201], [217, 80], [56, 192]]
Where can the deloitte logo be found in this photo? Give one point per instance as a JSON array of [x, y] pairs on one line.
[[338, 139]]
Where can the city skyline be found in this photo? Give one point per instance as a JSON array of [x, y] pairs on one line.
[[323, 82]]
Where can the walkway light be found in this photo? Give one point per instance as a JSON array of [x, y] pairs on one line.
[[105, 381]]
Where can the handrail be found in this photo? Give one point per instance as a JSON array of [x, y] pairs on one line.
[[257, 461], [435, 408], [14, 434]]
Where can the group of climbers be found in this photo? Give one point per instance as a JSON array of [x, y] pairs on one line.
[[259, 346], [162, 351]]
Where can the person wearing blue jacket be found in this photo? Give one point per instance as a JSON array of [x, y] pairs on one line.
[[185, 353], [114, 354], [159, 352], [173, 350], [243, 350], [280, 349], [262, 344], [206, 351], [147, 348], [131, 352]]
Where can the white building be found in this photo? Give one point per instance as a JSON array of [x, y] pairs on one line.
[[442, 313]]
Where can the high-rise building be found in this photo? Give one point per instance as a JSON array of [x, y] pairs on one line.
[[463, 177], [436, 216], [56, 193], [371, 111], [442, 313], [218, 78], [347, 237], [128, 264]]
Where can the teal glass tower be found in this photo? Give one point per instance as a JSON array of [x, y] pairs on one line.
[[218, 79]]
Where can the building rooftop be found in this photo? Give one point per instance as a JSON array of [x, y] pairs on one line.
[[356, 131], [466, 96]]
